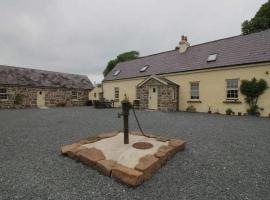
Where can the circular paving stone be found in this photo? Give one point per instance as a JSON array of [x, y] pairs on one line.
[[142, 145]]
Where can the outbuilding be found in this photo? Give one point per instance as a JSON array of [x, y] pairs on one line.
[[24, 87]]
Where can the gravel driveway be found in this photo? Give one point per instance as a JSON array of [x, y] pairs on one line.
[[227, 157]]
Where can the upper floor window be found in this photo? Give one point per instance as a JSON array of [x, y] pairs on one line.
[[3, 94], [212, 57], [143, 69], [116, 93], [194, 90], [74, 95], [95, 95], [116, 72], [232, 89]]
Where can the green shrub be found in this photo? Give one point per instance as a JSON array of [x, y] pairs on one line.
[[229, 111], [191, 108], [252, 89]]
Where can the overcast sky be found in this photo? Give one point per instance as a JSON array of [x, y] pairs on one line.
[[80, 36]]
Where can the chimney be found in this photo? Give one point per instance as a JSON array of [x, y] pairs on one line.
[[183, 44]]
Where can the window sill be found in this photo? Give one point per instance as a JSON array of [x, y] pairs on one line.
[[194, 101], [74, 99], [232, 101], [3, 99]]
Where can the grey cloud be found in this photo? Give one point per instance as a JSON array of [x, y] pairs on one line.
[[81, 36]]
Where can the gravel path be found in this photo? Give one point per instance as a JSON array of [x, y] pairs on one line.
[[227, 157]]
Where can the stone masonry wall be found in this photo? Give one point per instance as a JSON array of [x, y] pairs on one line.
[[53, 97], [166, 102]]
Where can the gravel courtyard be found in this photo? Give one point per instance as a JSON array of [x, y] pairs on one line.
[[227, 157]]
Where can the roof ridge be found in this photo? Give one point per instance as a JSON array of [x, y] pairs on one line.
[[147, 56], [241, 35], [43, 70]]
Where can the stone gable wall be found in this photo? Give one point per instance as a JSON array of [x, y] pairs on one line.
[[165, 95], [53, 97]]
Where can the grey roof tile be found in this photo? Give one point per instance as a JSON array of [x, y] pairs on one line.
[[238, 50], [40, 78]]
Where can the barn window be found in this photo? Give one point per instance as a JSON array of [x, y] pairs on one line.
[[3, 94], [74, 95]]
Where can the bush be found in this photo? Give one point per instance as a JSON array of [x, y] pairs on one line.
[[229, 111], [252, 90], [191, 108]]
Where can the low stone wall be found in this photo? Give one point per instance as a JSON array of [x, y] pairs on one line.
[[53, 97]]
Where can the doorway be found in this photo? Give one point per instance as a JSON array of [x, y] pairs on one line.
[[153, 98], [40, 98]]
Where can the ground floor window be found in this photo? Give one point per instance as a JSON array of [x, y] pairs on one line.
[[116, 93], [3, 94], [232, 89], [74, 95], [194, 90]]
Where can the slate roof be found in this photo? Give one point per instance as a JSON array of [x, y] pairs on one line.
[[40, 78], [233, 51]]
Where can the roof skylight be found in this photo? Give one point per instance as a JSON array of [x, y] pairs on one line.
[[117, 72], [143, 69], [212, 57]]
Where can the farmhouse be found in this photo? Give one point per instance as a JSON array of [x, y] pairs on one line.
[[23, 87], [206, 77]]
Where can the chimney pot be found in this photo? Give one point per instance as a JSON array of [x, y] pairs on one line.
[[183, 44]]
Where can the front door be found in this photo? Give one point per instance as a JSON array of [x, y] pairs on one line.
[[153, 100], [41, 98]]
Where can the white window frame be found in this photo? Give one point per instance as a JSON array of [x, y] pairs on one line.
[[212, 57], [74, 96], [231, 88], [143, 69], [174, 92], [116, 93], [2, 94], [195, 92], [117, 72]]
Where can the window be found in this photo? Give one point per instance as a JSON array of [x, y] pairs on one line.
[[194, 90], [3, 94], [116, 93], [232, 89], [173, 93], [95, 95], [100, 95], [117, 72], [212, 57], [143, 69], [74, 95]]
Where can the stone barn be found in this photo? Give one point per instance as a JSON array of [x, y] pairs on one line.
[[24, 87]]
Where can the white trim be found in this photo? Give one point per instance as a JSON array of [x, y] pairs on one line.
[[151, 77]]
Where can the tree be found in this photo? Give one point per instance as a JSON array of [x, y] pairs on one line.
[[252, 89], [260, 22], [120, 58]]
